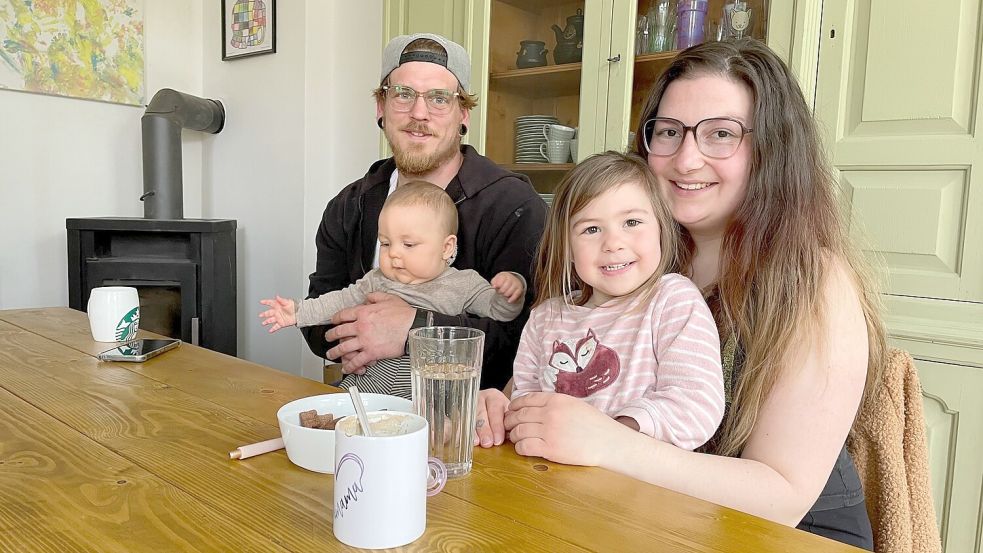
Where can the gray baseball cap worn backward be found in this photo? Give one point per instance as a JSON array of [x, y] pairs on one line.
[[455, 58]]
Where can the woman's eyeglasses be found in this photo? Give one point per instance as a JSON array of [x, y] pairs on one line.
[[717, 137], [403, 98]]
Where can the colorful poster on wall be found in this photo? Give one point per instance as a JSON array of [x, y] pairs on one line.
[[89, 49]]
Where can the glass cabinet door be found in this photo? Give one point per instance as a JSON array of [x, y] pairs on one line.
[[535, 71]]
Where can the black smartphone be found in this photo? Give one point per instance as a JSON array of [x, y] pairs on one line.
[[139, 351]]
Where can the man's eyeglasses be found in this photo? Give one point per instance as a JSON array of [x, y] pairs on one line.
[[718, 137], [403, 98]]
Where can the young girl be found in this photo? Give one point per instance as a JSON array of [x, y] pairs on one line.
[[609, 325]]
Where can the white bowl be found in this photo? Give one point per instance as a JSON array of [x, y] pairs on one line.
[[313, 448]]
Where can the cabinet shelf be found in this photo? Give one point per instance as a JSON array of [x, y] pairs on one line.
[[535, 6], [537, 167], [539, 82], [658, 58]]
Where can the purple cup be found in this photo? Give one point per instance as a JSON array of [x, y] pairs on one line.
[[690, 22]]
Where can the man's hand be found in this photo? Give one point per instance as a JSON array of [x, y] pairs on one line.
[[560, 428], [509, 286], [490, 420], [372, 331]]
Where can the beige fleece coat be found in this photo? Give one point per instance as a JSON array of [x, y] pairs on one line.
[[888, 445]]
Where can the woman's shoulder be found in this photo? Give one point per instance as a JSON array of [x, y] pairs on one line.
[[839, 281]]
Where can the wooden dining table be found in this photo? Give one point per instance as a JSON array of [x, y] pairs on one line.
[[112, 456]]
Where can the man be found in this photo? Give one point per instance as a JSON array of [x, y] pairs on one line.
[[423, 107]]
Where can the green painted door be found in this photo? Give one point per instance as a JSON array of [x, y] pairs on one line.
[[899, 87], [898, 94]]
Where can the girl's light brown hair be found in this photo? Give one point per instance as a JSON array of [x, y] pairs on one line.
[[780, 242], [594, 176]]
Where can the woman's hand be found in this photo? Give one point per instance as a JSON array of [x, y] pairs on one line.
[[560, 428], [490, 423]]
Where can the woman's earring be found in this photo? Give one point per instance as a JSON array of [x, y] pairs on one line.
[[464, 129], [450, 260], [379, 123]]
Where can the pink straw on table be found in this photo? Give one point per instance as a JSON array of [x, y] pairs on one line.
[[251, 450]]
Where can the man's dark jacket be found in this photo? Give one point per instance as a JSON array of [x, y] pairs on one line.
[[501, 219]]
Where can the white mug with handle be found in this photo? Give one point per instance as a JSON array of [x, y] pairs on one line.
[[381, 483], [555, 151], [114, 313]]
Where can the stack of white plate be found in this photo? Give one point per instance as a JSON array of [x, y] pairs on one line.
[[529, 137]]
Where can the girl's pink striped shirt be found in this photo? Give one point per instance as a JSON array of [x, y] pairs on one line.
[[658, 363]]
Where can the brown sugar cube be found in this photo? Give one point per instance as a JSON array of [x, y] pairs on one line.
[[332, 423], [310, 419]]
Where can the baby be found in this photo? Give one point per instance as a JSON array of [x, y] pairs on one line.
[[417, 244]]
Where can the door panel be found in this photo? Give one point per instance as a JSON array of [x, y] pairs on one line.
[[953, 399], [898, 93]]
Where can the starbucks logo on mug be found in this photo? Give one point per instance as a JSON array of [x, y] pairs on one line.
[[127, 327]]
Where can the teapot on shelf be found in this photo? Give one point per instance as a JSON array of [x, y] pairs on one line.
[[570, 40]]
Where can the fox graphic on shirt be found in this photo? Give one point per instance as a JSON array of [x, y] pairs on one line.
[[582, 368]]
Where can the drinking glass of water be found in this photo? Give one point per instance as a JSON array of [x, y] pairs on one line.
[[445, 369]]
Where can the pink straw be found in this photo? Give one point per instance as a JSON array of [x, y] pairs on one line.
[[251, 450]]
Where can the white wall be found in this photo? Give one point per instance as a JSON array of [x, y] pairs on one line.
[[342, 138], [64, 157], [300, 126]]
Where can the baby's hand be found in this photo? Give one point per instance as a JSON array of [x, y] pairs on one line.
[[509, 285], [282, 313]]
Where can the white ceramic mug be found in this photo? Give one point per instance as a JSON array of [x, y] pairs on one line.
[[381, 483], [114, 313], [555, 151], [558, 132]]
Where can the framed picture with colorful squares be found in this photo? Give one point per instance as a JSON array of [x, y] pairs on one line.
[[248, 28]]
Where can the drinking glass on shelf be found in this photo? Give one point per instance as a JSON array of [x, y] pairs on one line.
[[737, 20], [642, 36], [690, 22], [662, 22]]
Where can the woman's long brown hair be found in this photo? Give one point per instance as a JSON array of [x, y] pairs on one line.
[[782, 238]]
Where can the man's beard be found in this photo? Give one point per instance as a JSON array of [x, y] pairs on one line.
[[413, 161]]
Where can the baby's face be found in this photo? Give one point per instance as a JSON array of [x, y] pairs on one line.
[[412, 245]]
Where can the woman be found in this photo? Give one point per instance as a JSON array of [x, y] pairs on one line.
[[734, 147]]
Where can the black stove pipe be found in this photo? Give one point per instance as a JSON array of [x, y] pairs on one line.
[[167, 113]]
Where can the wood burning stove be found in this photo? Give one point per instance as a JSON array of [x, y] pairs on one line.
[[183, 269]]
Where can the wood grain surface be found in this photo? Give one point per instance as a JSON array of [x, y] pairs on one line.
[[134, 457]]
